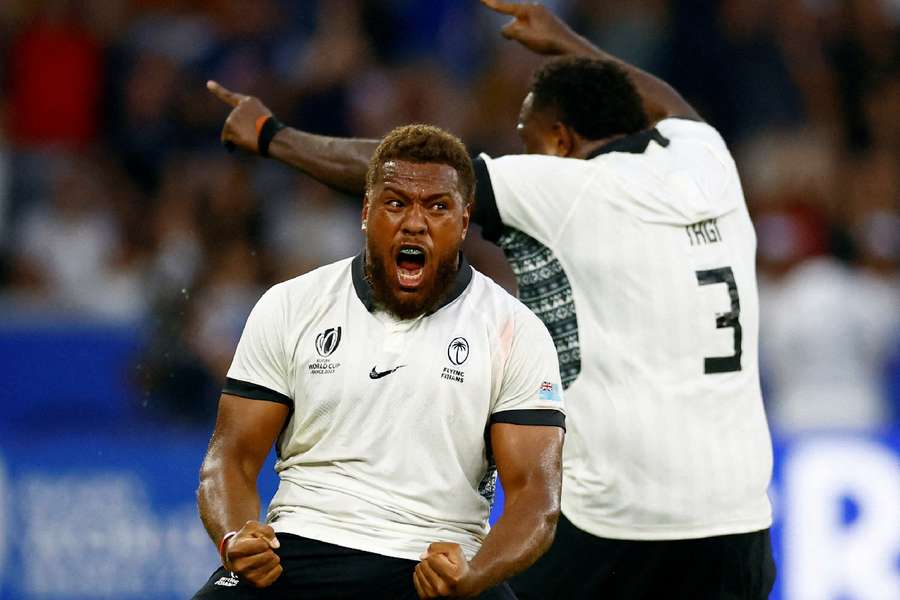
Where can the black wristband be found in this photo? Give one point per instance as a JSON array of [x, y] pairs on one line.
[[268, 131]]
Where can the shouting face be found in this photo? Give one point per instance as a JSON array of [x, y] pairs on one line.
[[415, 220]]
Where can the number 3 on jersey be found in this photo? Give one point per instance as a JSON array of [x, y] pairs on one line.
[[724, 364]]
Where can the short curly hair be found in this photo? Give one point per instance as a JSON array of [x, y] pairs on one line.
[[424, 144], [594, 97]]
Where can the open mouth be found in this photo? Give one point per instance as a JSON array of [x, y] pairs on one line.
[[410, 265]]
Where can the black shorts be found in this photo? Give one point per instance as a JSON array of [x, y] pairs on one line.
[[580, 566], [315, 570]]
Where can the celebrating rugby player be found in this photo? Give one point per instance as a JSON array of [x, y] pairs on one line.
[[394, 386]]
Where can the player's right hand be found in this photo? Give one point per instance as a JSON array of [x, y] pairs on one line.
[[250, 554], [534, 26], [240, 127]]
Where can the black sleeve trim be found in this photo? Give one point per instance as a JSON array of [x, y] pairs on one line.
[[485, 212], [244, 389], [535, 416]]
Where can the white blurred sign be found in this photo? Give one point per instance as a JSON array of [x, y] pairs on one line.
[[98, 536], [828, 553]]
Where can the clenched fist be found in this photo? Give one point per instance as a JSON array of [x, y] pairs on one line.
[[250, 554], [443, 573]]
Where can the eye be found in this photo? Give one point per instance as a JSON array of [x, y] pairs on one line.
[[440, 205], [393, 203]]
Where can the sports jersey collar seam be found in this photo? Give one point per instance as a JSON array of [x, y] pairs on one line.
[[626, 144]]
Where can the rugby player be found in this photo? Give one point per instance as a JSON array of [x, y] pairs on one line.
[[394, 386], [627, 230]]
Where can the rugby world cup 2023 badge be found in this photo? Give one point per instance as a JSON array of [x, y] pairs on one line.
[[327, 343], [457, 353]]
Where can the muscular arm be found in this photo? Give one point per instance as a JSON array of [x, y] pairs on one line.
[[528, 460], [538, 29], [245, 431], [340, 163]]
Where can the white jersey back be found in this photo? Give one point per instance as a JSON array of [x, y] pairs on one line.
[[385, 450], [641, 261]]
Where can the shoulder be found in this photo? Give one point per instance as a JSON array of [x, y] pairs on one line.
[[680, 129], [501, 311]]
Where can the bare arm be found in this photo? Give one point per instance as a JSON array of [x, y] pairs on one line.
[[528, 460], [227, 497], [340, 163], [539, 30]]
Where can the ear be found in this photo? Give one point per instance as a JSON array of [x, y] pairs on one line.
[[365, 212], [467, 210], [565, 140]]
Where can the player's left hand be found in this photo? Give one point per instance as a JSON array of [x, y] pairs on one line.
[[242, 126], [443, 573], [534, 26]]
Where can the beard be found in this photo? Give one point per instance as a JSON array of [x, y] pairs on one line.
[[404, 305]]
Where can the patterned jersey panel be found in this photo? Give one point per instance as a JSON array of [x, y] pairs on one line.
[[545, 289]]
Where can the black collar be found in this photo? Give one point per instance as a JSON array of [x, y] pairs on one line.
[[636, 143], [364, 290]]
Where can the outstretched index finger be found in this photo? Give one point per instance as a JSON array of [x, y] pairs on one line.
[[505, 8], [224, 94]]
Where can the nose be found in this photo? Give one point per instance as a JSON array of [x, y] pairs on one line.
[[414, 220]]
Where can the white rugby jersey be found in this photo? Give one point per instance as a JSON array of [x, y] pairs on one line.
[[386, 449], [641, 262]]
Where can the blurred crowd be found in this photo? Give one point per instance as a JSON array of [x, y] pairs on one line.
[[117, 202]]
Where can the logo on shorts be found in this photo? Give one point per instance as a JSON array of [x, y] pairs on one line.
[[328, 341], [227, 581], [458, 350]]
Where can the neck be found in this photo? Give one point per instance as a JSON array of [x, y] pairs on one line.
[[586, 147]]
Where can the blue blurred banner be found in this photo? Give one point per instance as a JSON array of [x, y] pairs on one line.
[[96, 504], [112, 516]]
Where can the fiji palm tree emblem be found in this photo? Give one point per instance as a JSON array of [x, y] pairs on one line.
[[458, 351]]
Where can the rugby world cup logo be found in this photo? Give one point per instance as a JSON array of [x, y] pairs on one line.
[[328, 341]]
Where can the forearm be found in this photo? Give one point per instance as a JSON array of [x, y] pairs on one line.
[[340, 163], [227, 499], [518, 539]]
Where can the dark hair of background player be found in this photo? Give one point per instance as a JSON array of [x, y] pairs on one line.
[[424, 144], [594, 97]]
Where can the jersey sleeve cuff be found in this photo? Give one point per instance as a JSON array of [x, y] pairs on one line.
[[485, 213], [537, 416], [253, 391]]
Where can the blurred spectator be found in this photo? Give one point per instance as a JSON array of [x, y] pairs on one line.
[[5, 184], [307, 228], [69, 253], [825, 336], [55, 76]]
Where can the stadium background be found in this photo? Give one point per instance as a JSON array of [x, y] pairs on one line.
[[132, 246]]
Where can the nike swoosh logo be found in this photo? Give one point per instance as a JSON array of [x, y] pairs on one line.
[[375, 374]]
